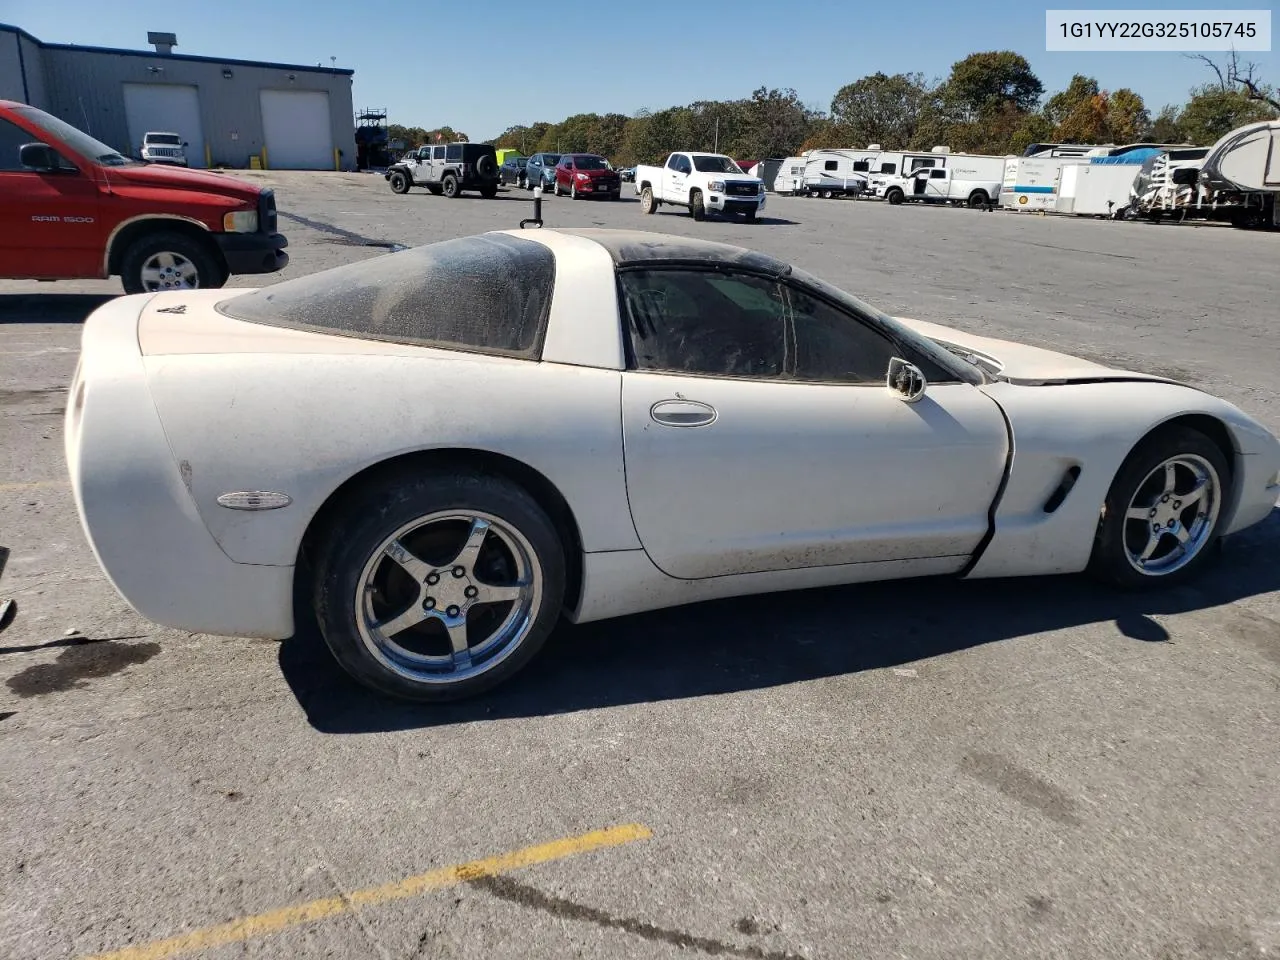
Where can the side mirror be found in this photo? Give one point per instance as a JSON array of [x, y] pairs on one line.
[[185, 144], [906, 380], [38, 157]]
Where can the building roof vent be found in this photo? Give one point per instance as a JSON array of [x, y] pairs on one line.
[[164, 42]]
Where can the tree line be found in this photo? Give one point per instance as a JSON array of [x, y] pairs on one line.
[[989, 102]]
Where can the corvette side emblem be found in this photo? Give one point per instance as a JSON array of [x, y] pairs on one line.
[[180, 308]]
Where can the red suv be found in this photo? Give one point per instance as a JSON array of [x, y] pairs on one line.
[[587, 175], [73, 208]]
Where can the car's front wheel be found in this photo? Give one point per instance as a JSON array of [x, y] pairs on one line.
[[399, 182], [1162, 513], [163, 261], [439, 586], [648, 203]]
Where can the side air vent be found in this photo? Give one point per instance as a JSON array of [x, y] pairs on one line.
[[1060, 492]]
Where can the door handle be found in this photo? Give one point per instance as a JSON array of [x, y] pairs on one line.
[[683, 413]]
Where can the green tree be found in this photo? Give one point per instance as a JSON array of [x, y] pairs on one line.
[[982, 82], [882, 109], [1213, 111], [1127, 116], [1165, 128], [1059, 106]]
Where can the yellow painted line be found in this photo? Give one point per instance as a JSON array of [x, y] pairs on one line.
[[274, 921], [32, 484]]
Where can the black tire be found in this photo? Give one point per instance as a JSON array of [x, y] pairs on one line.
[[449, 185], [399, 181], [978, 199], [486, 166], [573, 191], [375, 513], [894, 197], [210, 273], [1110, 559], [648, 204], [697, 208], [489, 192]]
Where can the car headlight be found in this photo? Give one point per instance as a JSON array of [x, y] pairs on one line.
[[240, 221], [716, 185], [583, 176]]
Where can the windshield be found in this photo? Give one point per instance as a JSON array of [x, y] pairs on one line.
[[715, 165], [590, 163], [77, 140], [165, 138]]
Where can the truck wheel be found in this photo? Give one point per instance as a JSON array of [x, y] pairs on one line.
[[399, 182], [978, 199], [647, 203], [697, 208], [894, 196], [450, 186], [169, 261]]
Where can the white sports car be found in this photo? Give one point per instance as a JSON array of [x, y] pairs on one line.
[[450, 446]]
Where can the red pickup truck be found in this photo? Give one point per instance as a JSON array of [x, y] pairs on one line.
[[73, 208]]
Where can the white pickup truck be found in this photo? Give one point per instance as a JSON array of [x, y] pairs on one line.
[[702, 182]]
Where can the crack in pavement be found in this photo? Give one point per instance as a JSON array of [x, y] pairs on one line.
[[505, 888]]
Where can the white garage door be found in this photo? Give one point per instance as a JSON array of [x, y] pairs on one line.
[[165, 108], [296, 124]]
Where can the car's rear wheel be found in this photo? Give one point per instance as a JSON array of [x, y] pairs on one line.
[[450, 186], [439, 587], [399, 182], [1163, 511], [647, 202], [489, 192], [163, 261], [978, 199]]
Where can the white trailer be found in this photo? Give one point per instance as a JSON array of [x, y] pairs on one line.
[[831, 173], [1247, 159], [938, 177], [790, 175], [1102, 187]]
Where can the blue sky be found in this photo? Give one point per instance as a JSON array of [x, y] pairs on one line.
[[507, 68]]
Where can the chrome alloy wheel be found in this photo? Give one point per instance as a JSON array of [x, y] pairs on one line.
[[448, 596], [169, 271], [1172, 515]]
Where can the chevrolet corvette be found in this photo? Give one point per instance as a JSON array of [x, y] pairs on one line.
[[446, 449]]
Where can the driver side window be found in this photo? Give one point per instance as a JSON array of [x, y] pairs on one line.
[[705, 323], [832, 346]]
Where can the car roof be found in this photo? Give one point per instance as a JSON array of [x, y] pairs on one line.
[[631, 247]]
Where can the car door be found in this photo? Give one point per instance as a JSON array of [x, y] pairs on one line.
[[564, 173], [677, 175], [51, 222], [938, 186], [760, 435]]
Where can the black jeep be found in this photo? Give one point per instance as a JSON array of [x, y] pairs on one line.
[[447, 169]]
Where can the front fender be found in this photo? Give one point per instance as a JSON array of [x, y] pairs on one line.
[[1094, 426]]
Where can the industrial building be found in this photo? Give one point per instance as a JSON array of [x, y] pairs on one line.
[[232, 113]]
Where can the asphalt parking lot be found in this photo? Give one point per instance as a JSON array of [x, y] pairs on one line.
[[927, 770]]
